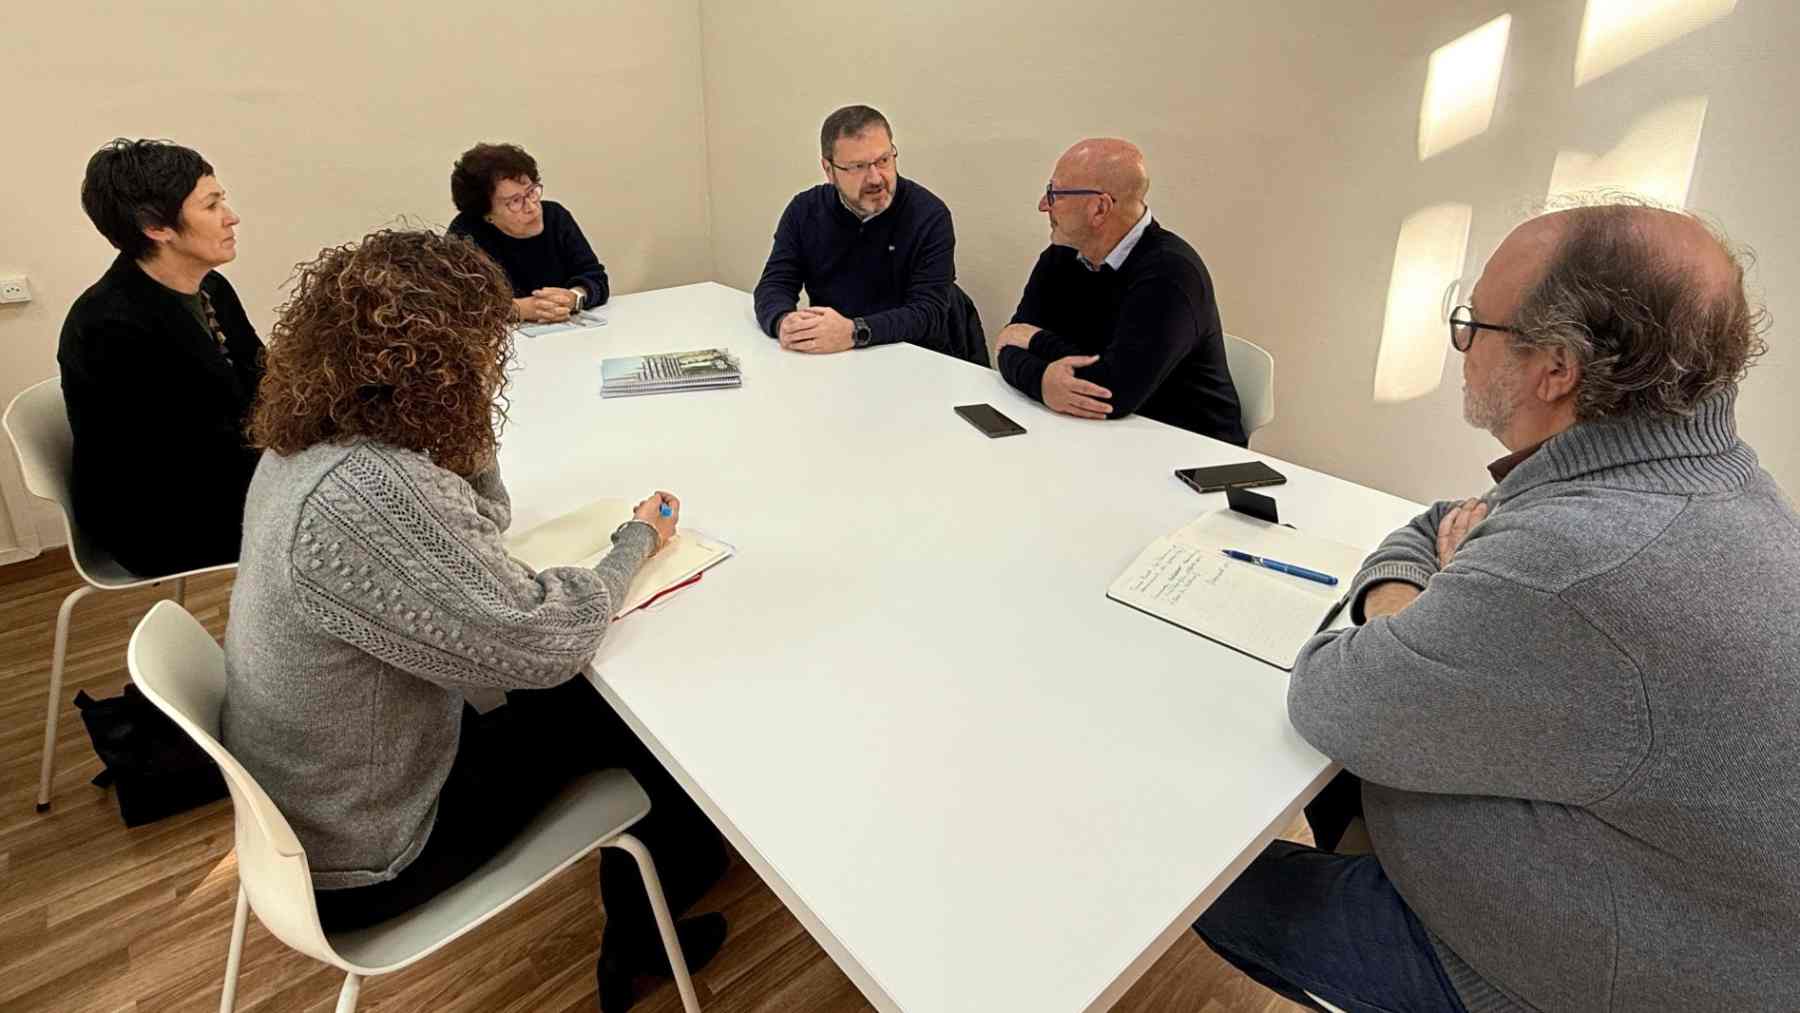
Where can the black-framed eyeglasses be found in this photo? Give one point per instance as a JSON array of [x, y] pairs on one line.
[[884, 163], [1052, 191], [1463, 326], [533, 194]]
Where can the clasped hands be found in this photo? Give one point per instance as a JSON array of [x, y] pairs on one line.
[[545, 305], [817, 330]]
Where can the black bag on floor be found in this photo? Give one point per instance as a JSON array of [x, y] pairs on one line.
[[155, 770]]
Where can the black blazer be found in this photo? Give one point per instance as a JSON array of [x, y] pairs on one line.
[[161, 459]]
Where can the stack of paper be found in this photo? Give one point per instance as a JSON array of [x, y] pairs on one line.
[[1186, 579], [705, 369], [581, 537]]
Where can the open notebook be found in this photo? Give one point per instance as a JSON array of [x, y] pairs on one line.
[[1186, 579], [581, 537]]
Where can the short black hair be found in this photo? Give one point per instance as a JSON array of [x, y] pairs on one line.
[[848, 122], [481, 168], [131, 186]]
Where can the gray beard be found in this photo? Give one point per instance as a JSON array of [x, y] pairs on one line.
[[1492, 409]]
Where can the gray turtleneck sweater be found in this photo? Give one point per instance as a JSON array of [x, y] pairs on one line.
[[1580, 746]]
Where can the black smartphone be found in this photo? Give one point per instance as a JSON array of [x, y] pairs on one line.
[[1248, 475], [990, 422]]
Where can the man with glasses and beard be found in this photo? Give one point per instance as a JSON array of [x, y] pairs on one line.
[[1118, 316], [875, 253], [1571, 703]]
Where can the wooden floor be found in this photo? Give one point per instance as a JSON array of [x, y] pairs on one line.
[[97, 917]]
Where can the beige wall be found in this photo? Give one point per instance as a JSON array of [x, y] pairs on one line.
[[1282, 144], [1281, 138], [327, 120]]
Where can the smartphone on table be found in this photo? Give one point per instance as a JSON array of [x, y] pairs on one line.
[[1248, 475]]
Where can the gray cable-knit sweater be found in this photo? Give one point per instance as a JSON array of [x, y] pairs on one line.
[[1581, 744], [373, 594]]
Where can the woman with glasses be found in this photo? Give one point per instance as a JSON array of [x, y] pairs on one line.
[[500, 205]]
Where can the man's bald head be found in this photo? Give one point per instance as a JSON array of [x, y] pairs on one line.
[[1106, 163], [1648, 302]]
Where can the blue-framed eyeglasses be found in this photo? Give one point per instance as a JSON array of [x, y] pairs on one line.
[[1051, 192]]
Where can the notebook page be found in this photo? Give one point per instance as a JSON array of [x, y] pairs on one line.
[[581, 537], [1186, 579]]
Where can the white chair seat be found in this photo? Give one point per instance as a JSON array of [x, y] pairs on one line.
[[566, 830], [181, 671]]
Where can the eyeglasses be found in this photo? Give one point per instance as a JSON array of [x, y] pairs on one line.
[[1463, 326], [884, 163], [533, 195], [1051, 193]]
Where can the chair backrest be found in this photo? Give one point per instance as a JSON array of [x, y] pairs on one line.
[[181, 670], [38, 426], [1253, 374]]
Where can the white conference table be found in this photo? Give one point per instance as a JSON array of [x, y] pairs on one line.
[[907, 702]]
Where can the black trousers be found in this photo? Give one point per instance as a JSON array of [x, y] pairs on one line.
[[509, 764]]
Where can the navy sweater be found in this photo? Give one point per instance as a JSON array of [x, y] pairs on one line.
[[558, 257], [894, 270], [1153, 323], [161, 461]]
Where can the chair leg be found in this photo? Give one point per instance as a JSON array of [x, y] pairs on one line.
[[665, 922], [228, 999], [58, 655], [348, 994]]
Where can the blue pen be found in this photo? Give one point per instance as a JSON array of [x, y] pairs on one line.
[[1280, 567]]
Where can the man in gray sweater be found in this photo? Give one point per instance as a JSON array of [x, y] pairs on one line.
[[1573, 704]]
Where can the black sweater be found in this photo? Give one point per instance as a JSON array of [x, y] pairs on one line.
[[894, 270], [558, 257], [161, 462], [1153, 323]]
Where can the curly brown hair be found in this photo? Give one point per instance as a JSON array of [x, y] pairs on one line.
[[481, 168], [402, 338]]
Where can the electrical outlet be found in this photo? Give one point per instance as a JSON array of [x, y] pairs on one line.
[[15, 289]]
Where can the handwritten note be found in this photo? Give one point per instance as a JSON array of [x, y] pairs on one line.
[[1186, 579]]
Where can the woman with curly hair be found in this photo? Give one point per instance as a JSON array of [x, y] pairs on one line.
[[500, 206], [378, 623]]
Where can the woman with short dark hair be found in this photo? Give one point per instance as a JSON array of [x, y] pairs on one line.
[[377, 612], [500, 205], [159, 365]]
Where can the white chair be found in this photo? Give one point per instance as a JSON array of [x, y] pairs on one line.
[[181, 669], [38, 425], [1253, 374]]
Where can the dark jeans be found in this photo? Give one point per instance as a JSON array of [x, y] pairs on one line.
[[1303, 920], [509, 764]]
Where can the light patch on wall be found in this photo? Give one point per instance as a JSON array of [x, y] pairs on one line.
[[1654, 159], [1428, 258], [1616, 32], [1462, 82]]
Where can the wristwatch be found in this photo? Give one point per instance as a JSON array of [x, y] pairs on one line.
[[861, 337], [580, 299]]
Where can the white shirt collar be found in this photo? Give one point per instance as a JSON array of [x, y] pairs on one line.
[[1116, 259], [852, 208]]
